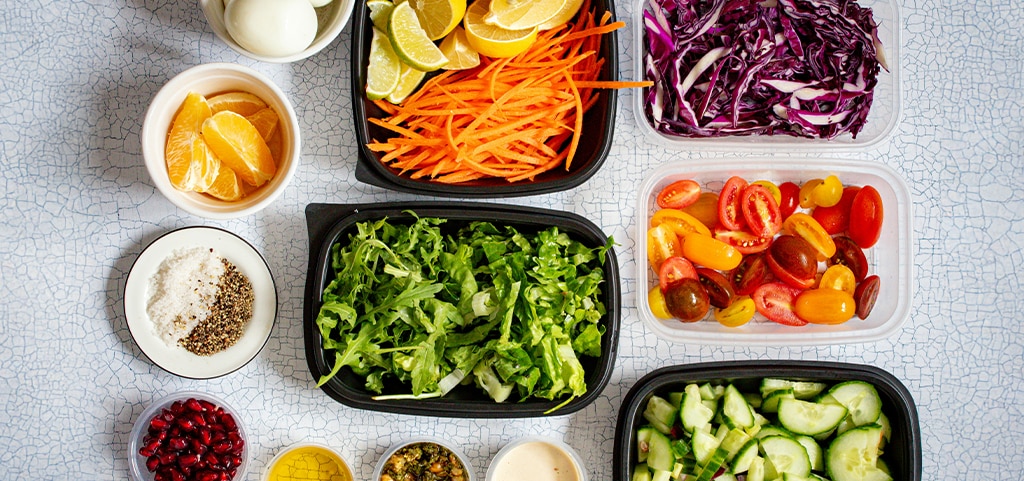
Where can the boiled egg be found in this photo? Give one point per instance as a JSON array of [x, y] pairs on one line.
[[273, 28]]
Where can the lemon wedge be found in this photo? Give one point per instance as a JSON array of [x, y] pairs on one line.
[[460, 53], [491, 40], [439, 17], [568, 11], [522, 14]]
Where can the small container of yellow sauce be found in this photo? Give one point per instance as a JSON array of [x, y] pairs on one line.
[[536, 459], [308, 462]]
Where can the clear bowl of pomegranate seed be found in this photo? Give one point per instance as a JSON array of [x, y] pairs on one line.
[[188, 436]]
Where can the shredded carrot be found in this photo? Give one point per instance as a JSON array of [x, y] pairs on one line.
[[514, 118]]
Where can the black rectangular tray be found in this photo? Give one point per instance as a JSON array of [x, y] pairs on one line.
[[328, 223]]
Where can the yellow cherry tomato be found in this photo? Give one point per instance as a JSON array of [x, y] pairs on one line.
[[808, 228], [740, 312], [828, 193], [679, 222], [656, 301], [840, 278], [806, 201], [710, 252], [662, 243], [824, 306], [705, 209], [774, 189]]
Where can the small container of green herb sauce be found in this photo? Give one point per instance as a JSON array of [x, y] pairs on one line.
[[425, 459]]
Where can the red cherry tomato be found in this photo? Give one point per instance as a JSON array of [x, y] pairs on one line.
[[776, 301], [751, 273], [729, 210], [673, 271], [790, 198], [824, 306], [719, 289], [679, 194], [849, 254], [743, 241], [760, 211], [866, 217], [793, 261], [866, 295], [688, 301], [836, 219]]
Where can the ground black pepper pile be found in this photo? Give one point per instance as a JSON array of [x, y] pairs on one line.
[[423, 462], [229, 314]]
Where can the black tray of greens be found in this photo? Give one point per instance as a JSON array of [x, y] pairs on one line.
[[442, 308]]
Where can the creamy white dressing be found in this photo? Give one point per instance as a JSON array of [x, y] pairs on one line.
[[536, 461]]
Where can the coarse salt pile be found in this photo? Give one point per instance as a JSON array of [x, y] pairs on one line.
[[182, 291]]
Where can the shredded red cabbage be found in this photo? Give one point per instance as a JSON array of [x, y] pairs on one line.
[[805, 68]]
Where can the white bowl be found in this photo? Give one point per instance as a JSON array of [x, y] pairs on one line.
[[209, 79], [891, 258], [470, 475], [543, 455], [331, 19], [137, 462]]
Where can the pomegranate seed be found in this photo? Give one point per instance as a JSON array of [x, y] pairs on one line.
[[152, 463], [174, 432], [188, 459], [176, 475], [222, 447], [206, 436], [238, 445], [208, 476], [168, 458], [229, 422], [150, 448], [207, 405], [218, 436], [178, 407], [185, 424], [212, 460], [236, 461], [177, 443], [194, 405], [161, 476], [232, 472], [198, 419], [158, 424]]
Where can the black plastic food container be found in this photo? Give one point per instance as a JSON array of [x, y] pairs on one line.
[[595, 143], [902, 452], [330, 223]]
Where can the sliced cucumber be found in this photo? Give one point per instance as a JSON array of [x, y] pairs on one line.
[[771, 403], [741, 462], [735, 410], [814, 452], [643, 443], [704, 445], [733, 442], [860, 399], [773, 430], [801, 389], [756, 471], [692, 412], [660, 413], [804, 417], [709, 392], [660, 455], [660, 475], [641, 473], [786, 455], [714, 463], [853, 455]]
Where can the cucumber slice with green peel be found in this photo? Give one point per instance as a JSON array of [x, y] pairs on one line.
[[735, 410], [743, 459], [853, 455], [660, 413], [641, 473], [660, 455], [753, 399], [735, 440], [680, 448], [709, 392], [886, 429], [704, 445], [715, 462], [773, 430], [771, 403], [814, 452], [675, 398], [785, 455], [801, 389], [692, 412], [860, 399], [756, 471], [725, 477], [643, 443], [660, 475], [804, 417]]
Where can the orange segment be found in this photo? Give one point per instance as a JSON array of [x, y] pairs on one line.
[[241, 103], [182, 171], [275, 144], [238, 144], [205, 165], [226, 186], [265, 121]]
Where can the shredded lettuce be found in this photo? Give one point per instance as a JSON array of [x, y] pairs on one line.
[[804, 68], [509, 312]]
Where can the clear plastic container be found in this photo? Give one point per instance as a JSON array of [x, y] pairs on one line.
[[550, 459], [885, 114], [307, 460], [470, 475], [891, 258]]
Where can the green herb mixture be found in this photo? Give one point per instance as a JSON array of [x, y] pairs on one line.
[[489, 305]]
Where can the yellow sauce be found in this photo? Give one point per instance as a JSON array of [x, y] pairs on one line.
[[309, 463], [536, 461]]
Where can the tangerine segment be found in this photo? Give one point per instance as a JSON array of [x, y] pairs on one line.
[[241, 103], [186, 127], [226, 186], [205, 165], [238, 144], [265, 121]]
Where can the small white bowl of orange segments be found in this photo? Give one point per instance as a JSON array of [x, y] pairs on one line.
[[221, 141]]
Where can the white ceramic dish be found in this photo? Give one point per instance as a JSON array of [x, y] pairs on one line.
[[137, 462], [543, 462], [891, 258], [886, 109], [175, 359], [379, 469], [209, 79], [331, 19]]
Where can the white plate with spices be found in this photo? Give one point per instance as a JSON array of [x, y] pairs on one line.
[[179, 249]]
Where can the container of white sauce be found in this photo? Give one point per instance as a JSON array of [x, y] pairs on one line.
[[536, 459]]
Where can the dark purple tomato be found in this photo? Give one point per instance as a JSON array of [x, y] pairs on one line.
[[865, 296], [719, 289], [752, 272], [849, 254], [688, 300], [793, 260]]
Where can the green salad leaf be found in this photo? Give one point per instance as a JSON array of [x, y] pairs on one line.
[[507, 312]]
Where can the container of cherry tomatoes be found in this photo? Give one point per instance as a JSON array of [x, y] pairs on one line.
[[774, 251]]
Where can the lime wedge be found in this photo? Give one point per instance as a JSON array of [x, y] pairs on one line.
[[384, 69], [407, 84], [411, 42], [380, 10]]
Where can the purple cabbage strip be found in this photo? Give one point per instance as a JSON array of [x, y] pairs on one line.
[[804, 68]]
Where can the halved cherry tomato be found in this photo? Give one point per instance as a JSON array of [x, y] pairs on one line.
[[740, 312], [808, 229], [688, 301], [729, 213], [680, 222], [776, 301], [656, 301], [719, 289], [705, 209], [678, 194], [793, 261], [790, 195], [710, 252], [760, 211], [836, 219], [838, 277], [772, 188], [866, 217], [828, 192], [743, 241], [751, 273], [866, 295], [806, 201], [849, 254], [673, 271], [824, 306], [662, 243]]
